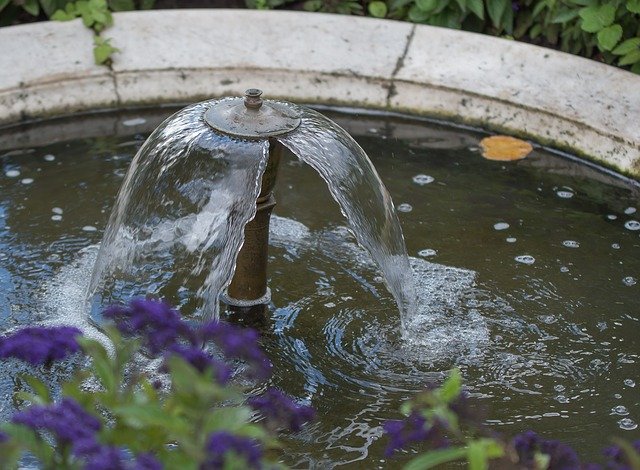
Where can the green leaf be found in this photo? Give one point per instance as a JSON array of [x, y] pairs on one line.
[[595, 18], [147, 4], [3, 4], [417, 15], [630, 58], [102, 363], [39, 388], [436, 457], [140, 416], [538, 8], [609, 37], [477, 456], [49, 7], [62, 15], [426, 5], [32, 7], [229, 419], [377, 9], [312, 5], [627, 46], [477, 7], [565, 15], [496, 10], [633, 6], [450, 389]]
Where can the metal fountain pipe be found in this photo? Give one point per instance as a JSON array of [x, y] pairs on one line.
[[252, 118]]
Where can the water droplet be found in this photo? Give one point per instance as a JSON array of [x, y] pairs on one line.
[[525, 259], [630, 210], [501, 226], [629, 281], [612, 217], [404, 207], [12, 173], [427, 252], [49, 158], [565, 192], [564, 269], [134, 122], [620, 410], [627, 424], [26, 180], [629, 383], [571, 244], [632, 225], [511, 239], [56, 218], [423, 179], [57, 210], [89, 228], [615, 246]]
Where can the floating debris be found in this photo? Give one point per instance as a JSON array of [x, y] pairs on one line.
[[504, 148]]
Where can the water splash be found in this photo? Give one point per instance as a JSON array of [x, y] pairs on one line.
[[363, 199], [176, 224]]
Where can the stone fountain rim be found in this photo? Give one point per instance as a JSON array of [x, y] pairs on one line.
[[560, 100]]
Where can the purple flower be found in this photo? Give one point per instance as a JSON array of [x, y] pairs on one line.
[[37, 345], [3, 437], [161, 326], [67, 421], [561, 456], [221, 443], [238, 343], [105, 458], [202, 361], [147, 462], [281, 411], [617, 458], [414, 429], [526, 444]]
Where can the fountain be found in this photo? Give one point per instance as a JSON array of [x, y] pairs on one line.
[[195, 204]]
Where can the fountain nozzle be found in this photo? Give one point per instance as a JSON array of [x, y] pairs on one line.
[[252, 117]]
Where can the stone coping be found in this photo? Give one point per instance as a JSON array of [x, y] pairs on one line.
[[178, 56]]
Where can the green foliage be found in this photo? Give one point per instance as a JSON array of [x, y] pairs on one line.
[[605, 30], [135, 415]]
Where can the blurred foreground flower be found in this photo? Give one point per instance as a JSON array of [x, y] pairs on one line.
[[38, 345]]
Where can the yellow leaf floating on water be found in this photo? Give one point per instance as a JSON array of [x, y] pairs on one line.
[[504, 148]]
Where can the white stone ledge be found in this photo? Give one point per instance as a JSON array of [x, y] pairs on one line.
[[184, 55]]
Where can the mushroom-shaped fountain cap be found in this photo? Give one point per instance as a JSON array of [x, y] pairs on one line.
[[251, 117]]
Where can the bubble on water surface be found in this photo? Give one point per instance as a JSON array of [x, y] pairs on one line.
[[564, 269], [619, 410], [57, 210], [630, 210], [612, 217], [511, 239], [571, 244], [565, 192], [134, 122], [501, 226], [629, 383], [27, 181], [615, 246], [89, 228], [423, 179], [629, 281], [427, 252], [56, 218], [12, 173], [49, 158], [404, 207], [627, 424], [525, 259], [632, 225]]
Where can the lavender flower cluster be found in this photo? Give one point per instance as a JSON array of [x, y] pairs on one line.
[[77, 430], [163, 332], [563, 457]]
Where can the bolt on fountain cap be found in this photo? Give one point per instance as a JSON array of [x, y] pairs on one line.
[[251, 117]]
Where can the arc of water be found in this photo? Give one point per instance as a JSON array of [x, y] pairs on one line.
[[363, 199]]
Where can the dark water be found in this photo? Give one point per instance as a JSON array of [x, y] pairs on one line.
[[551, 346]]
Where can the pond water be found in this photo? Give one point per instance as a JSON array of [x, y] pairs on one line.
[[527, 275]]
